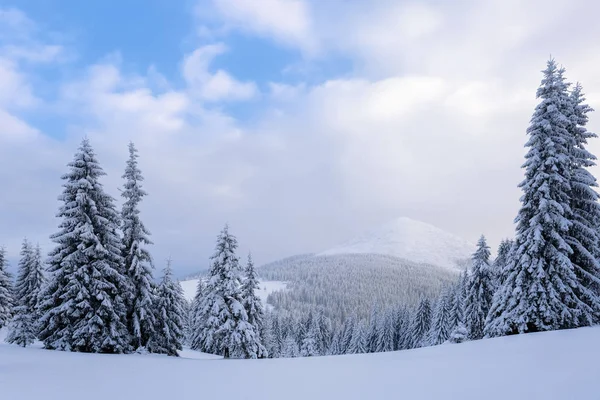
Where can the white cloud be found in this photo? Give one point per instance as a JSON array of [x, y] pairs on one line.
[[285, 21], [217, 86]]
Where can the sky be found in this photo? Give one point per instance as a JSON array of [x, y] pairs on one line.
[[299, 123]]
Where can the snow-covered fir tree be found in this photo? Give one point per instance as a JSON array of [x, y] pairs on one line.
[[6, 290], [480, 290], [225, 328], [253, 305], [440, 321], [290, 347], [459, 334], [584, 234], [457, 309], [30, 280], [501, 262], [137, 259], [358, 343], [310, 342], [385, 332], [541, 291], [170, 316], [420, 325], [196, 318], [83, 306], [402, 329]]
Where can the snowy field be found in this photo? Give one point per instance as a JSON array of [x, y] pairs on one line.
[[553, 365], [266, 288]]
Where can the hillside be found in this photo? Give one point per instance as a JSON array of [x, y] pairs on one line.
[[352, 284], [552, 365], [411, 240]]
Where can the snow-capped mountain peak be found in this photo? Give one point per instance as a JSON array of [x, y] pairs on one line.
[[412, 240]]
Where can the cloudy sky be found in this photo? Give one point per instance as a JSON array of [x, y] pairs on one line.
[[300, 123]]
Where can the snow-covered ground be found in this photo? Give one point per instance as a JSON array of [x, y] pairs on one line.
[[553, 365], [266, 288], [411, 240]]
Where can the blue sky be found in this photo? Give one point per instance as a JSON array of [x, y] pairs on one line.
[[301, 123]]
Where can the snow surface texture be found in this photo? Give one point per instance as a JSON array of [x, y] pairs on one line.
[[551, 365], [412, 240], [266, 288]]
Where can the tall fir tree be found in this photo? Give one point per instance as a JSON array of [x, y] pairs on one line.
[[253, 305], [420, 325], [137, 259], [457, 310], [310, 342], [196, 318], [6, 291], [30, 280], [385, 332], [480, 291], [359, 341], [225, 328], [501, 262], [169, 326], [440, 321], [541, 291], [84, 307], [584, 234]]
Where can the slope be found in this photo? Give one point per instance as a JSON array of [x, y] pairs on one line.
[[411, 240], [551, 365]]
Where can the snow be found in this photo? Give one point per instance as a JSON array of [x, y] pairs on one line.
[[412, 240], [551, 365], [266, 288]]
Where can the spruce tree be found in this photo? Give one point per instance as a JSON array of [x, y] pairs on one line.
[[584, 234], [440, 322], [84, 306], [253, 305], [137, 259], [457, 309], [196, 318], [6, 291], [310, 342], [170, 315], [358, 343], [225, 329], [30, 280], [480, 291], [541, 288], [385, 333], [420, 325], [290, 347], [501, 262]]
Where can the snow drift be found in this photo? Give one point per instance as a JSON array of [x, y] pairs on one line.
[[551, 365]]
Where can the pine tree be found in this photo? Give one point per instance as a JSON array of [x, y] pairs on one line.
[[402, 329], [83, 306], [196, 318], [541, 289], [27, 289], [226, 330], [440, 322], [310, 342], [385, 333], [358, 343], [347, 335], [584, 235], [480, 291], [170, 315], [253, 305], [501, 262], [457, 309], [138, 262], [420, 325], [290, 347], [6, 291], [373, 331], [459, 334]]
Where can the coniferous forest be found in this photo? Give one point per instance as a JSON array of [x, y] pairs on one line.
[[96, 291]]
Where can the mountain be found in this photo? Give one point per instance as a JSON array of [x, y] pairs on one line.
[[550, 365], [411, 240]]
